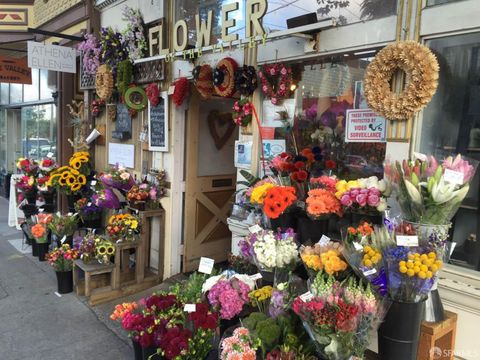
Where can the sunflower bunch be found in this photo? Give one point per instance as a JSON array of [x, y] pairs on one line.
[[104, 249], [71, 178]]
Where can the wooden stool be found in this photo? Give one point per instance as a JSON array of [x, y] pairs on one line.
[[122, 255], [437, 340], [91, 270]]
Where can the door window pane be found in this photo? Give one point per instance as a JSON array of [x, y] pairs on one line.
[[16, 91], [45, 92], [4, 94], [451, 124], [39, 131]]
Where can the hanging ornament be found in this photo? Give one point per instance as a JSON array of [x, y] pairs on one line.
[[203, 80], [153, 94], [97, 107], [276, 81], [181, 91], [124, 76], [224, 77], [136, 98], [104, 82], [246, 80], [242, 112]]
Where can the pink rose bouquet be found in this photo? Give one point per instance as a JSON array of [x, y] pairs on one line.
[[118, 177], [229, 296]]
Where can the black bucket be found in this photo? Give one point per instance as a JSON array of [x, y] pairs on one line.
[[64, 281], [91, 223], [137, 350], [284, 221], [359, 218], [150, 353], [29, 210], [399, 334], [42, 250], [34, 248], [49, 197], [310, 231], [31, 196]]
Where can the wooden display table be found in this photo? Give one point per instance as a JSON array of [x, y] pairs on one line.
[[437, 340], [91, 270]]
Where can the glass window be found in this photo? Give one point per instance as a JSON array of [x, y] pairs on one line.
[[4, 93], [39, 131], [16, 93], [451, 124], [3, 142], [438, 2], [45, 91], [31, 91], [327, 90]]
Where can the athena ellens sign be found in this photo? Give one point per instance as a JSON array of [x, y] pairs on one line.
[[51, 57]]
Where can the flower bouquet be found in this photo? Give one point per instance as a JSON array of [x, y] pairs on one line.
[[276, 252], [89, 213], [86, 247], [260, 298], [338, 317], [242, 112], [326, 258], [138, 196], [46, 166], [118, 177], [364, 254], [277, 200], [47, 191], [228, 295], [106, 199], [61, 259], [40, 234], [29, 167], [27, 184], [242, 345], [63, 227], [321, 204], [70, 179], [104, 250], [123, 227]]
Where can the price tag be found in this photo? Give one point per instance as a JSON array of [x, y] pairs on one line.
[[63, 239], [50, 155], [256, 276], [324, 240], [171, 90], [190, 308], [41, 210], [93, 182], [59, 213], [307, 296], [255, 229], [369, 272], [89, 204], [420, 156], [69, 214], [452, 248], [407, 240], [454, 177], [206, 265], [358, 246]]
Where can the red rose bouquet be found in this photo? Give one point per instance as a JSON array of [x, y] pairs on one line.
[[27, 166]]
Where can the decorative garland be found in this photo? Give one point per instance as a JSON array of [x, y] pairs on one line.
[[140, 102], [181, 91], [153, 94], [246, 80], [421, 67], [134, 35], [104, 82], [124, 76], [224, 77], [202, 76], [242, 112], [276, 81]]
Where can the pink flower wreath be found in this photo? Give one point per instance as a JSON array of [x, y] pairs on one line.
[[276, 81]]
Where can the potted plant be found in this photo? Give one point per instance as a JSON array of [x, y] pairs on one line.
[[63, 227], [62, 261]]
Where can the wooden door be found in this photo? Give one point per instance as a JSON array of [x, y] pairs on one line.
[[210, 180]]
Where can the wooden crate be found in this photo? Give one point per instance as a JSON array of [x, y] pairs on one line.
[[91, 270], [437, 340]]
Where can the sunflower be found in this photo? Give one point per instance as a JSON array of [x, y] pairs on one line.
[[82, 179], [102, 250], [82, 159], [74, 172], [76, 164], [80, 153], [75, 187], [62, 181], [64, 175], [71, 180], [110, 250]]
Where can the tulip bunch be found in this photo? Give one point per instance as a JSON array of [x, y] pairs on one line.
[[429, 192]]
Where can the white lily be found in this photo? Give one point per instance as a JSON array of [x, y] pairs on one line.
[[443, 192], [461, 193], [413, 192]]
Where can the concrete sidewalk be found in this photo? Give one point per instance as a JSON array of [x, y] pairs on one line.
[[37, 324]]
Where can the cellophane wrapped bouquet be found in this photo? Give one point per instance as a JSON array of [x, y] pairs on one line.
[[327, 258]]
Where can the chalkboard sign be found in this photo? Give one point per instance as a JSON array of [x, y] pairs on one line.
[[123, 124], [158, 124]]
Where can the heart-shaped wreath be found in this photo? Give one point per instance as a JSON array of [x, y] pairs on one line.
[[276, 81]]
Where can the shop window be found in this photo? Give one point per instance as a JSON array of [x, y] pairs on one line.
[[16, 93], [39, 129], [4, 94], [451, 124], [45, 91], [323, 96], [31, 92], [3, 143], [439, 2]]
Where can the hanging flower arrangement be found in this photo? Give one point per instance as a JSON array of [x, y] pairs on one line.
[[97, 107], [246, 80], [224, 77], [242, 112], [153, 94], [276, 81], [90, 48], [181, 91], [134, 34], [112, 50], [124, 76]]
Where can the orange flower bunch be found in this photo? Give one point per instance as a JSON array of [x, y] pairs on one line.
[[122, 309], [44, 218], [38, 231], [321, 202], [359, 233], [277, 200]]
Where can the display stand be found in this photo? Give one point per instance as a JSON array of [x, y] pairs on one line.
[[90, 270], [440, 337]]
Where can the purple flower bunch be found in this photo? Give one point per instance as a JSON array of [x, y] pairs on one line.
[[133, 36], [112, 47], [106, 199], [91, 51], [277, 304], [229, 296], [246, 246]]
